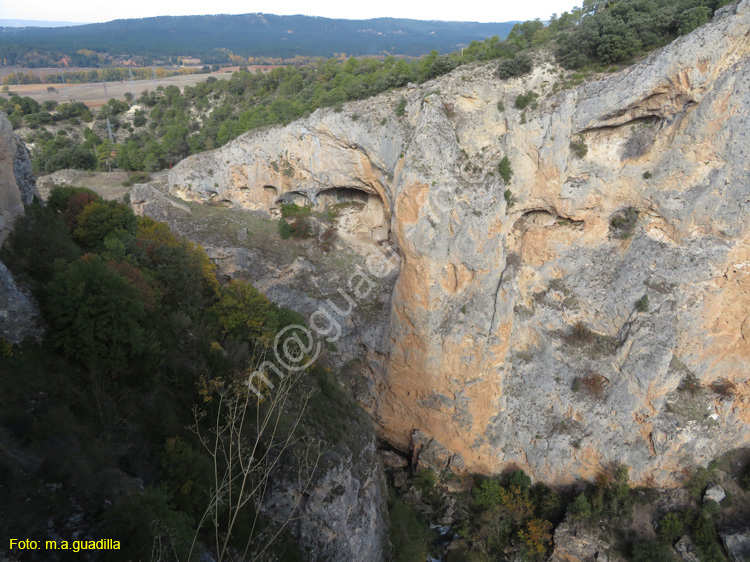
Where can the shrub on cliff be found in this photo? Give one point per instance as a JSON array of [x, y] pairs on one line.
[[515, 67], [505, 170]]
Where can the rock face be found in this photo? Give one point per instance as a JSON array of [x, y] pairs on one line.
[[343, 513], [596, 308], [17, 183], [19, 315]]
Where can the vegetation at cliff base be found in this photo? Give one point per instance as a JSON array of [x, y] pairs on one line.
[[140, 330]]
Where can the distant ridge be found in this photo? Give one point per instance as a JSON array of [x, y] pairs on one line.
[[37, 23], [249, 35]]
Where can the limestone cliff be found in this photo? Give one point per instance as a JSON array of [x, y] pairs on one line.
[[518, 332], [19, 316]]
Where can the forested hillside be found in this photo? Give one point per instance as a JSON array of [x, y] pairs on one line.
[[214, 38]]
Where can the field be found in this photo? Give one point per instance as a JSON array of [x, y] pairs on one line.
[[92, 94]]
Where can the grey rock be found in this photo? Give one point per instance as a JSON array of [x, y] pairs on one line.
[[714, 493], [17, 183], [19, 313], [574, 542], [400, 479], [737, 544], [343, 513], [393, 460], [687, 549]]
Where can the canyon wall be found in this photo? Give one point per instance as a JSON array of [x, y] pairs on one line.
[[19, 314], [595, 308]]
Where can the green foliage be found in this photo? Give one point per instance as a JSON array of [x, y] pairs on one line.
[[693, 18], [652, 551], [672, 527], [520, 479], [96, 315], [38, 239], [647, 175], [623, 223], [515, 67], [505, 170], [102, 218], [500, 106], [579, 147], [401, 107], [488, 494], [60, 196], [625, 29], [409, 535], [642, 305], [580, 508], [292, 210], [245, 314], [706, 539], [510, 199], [425, 479], [285, 231], [524, 100]]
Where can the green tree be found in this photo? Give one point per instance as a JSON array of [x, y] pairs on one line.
[[505, 170], [95, 315], [101, 218]]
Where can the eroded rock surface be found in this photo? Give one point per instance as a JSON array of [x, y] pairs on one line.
[[19, 314], [517, 331]]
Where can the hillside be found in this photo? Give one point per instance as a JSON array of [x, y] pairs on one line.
[[258, 35]]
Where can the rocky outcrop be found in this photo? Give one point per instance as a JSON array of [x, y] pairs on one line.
[[343, 513], [17, 183], [596, 308], [19, 314]]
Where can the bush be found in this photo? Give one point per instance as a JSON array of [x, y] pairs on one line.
[[580, 508], [724, 388], [500, 106], [292, 210], [101, 218], [301, 227], [60, 196], [505, 170], [623, 223], [96, 315], [426, 479], [525, 99], [642, 304], [593, 384], [38, 239], [671, 527], [409, 535], [401, 107], [652, 551], [515, 67], [690, 384], [579, 147], [285, 231]]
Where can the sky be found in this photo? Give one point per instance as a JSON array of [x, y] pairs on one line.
[[99, 11]]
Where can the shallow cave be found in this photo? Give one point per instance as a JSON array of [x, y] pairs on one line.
[[359, 212]]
